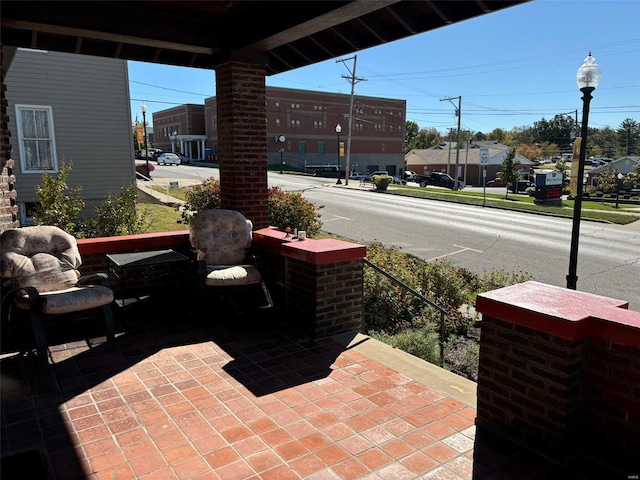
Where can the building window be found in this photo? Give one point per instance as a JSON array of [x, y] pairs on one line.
[[302, 147], [277, 104], [35, 138], [277, 122], [321, 147]]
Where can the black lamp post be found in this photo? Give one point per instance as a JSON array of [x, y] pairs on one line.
[[338, 130], [143, 107], [282, 160], [587, 77]]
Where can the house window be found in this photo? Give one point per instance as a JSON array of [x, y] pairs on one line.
[[302, 147], [321, 147], [35, 138]]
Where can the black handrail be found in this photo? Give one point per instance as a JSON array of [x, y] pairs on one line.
[[414, 292]]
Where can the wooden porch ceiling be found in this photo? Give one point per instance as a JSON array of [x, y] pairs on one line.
[[286, 35]]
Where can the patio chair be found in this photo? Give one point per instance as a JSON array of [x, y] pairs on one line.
[[39, 272], [222, 239]]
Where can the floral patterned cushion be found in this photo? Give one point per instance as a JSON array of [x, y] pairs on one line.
[[72, 299], [220, 237], [44, 257]]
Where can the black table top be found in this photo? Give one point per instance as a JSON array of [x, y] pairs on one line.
[[140, 259]]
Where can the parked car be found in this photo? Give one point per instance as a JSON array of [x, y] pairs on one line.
[[168, 159], [356, 176], [151, 153], [184, 159], [438, 179], [398, 181], [409, 176], [496, 182]]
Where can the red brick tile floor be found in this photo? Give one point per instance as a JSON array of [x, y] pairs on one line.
[[218, 396]]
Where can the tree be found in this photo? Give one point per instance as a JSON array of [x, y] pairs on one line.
[[633, 178], [608, 180], [563, 169], [510, 172], [420, 139], [560, 130], [411, 130], [497, 134], [532, 152], [628, 135]]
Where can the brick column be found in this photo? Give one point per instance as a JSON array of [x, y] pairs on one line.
[[323, 282], [8, 194], [559, 373], [242, 139]]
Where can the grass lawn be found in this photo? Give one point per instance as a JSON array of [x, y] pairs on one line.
[[591, 210], [165, 218]]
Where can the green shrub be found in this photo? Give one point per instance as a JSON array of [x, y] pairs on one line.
[[201, 197], [462, 356], [422, 343], [286, 209], [382, 181], [396, 316], [59, 205], [116, 216]]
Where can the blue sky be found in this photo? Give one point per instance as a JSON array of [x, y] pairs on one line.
[[511, 68]]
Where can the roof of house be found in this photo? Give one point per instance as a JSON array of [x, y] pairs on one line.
[[446, 153], [623, 165]]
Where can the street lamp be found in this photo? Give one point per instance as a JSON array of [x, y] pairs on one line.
[[618, 187], [143, 107], [587, 77], [282, 160], [174, 145], [338, 130]]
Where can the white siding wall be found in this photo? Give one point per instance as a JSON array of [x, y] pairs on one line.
[[91, 114]]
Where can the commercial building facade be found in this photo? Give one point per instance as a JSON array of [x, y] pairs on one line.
[[301, 130]]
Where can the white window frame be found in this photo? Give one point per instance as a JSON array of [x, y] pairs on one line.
[[20, 108]]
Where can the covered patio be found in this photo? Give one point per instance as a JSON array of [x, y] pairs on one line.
[[218, 395], [188, 391]]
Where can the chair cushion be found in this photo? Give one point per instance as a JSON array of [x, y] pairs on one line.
[[235, 275], [72, 299], [43, 257], [220, 236]]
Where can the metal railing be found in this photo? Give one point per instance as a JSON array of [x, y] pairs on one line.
[[443, 312]]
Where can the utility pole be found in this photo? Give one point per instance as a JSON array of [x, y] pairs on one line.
[[466, 160], [353, 80], [449, 158], [458, 111]]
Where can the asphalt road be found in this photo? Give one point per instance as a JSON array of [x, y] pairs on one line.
[[479, 239]]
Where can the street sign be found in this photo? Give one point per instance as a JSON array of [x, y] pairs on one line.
[[484, 155]]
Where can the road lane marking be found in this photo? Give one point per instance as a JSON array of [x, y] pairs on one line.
[[337, 217], [461, 249]]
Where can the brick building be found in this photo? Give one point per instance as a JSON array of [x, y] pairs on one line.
[[302, 124], [181, 129]]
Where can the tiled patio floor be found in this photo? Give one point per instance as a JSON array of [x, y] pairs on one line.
[[235, 398]]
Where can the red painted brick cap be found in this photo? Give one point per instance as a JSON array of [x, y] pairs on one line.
[[562, 312], [315, 252]]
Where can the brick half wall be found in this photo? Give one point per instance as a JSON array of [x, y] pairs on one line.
[[559, 373]]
